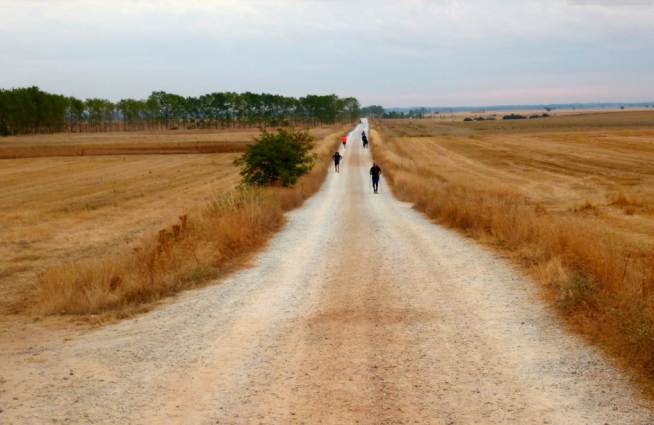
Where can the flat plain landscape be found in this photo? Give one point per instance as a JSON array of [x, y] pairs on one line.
[[570, 198], [360, 310], [70, 197], [570, 165]]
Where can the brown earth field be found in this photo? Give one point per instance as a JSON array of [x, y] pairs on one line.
[[70, 197], [571, 198], [126, 143]]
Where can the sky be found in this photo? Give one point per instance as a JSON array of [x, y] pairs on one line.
[[394, 53]]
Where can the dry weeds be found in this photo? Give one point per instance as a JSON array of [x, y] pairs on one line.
[[556, 201]]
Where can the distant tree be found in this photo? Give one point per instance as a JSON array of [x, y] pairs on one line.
[[277, 158], [547, 109], [96, 114], [467, 119], [514, 117], [352, 109], [372, 111], [132, 113], [391, 115]]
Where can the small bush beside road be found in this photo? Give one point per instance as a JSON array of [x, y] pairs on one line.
[[277, 158]]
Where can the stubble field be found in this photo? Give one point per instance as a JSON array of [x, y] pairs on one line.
[[570, 198], [571, 166], [72, 197]]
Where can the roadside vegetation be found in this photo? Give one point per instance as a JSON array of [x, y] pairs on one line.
[[277, 159], [203, 244], [575, 208]]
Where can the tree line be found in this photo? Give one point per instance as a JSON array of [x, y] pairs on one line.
[[375, 111], [31, 111]]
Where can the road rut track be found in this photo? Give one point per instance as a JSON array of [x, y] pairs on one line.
[[361, 311]]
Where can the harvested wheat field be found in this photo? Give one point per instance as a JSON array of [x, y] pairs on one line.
[[564, 170], [570, 198], [59, 207]]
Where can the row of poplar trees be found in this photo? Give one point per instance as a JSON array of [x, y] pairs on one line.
[[32, 111], [373, 111]]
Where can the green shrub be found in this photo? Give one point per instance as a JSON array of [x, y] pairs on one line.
[[277, 158]]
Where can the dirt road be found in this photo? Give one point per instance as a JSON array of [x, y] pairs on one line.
[[361, 311]]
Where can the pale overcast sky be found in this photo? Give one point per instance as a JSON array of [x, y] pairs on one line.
[[394, 53]]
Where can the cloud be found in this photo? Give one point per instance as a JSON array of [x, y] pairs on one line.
[[301, 46]]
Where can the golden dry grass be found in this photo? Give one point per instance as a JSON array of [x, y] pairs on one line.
[[574, 207], [92, 210], [199, 247], [58, 210]]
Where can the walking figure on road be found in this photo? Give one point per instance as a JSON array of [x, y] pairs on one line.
[[337, 159], [364, 139], [375, 172], [344, 139]]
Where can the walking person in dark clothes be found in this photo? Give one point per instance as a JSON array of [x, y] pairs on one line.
[[364, 139], [337, 159], [375, 172]]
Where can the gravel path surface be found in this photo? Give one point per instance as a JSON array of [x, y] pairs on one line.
[[361, 311]]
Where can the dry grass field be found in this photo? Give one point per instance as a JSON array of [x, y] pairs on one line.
[[571, 198], [59, 207]]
